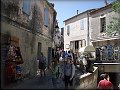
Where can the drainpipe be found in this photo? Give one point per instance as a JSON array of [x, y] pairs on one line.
[[88, 37]]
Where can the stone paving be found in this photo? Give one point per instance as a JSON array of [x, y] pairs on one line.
[[37, 82]]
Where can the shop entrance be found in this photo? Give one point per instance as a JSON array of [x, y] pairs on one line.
[[13, 61]]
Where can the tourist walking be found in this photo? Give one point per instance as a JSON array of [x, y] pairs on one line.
[[69, 54], [105, 83], [68, 72], [57, 54], [55, 72], [42, 64]]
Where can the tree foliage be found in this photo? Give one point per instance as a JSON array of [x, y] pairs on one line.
[[114, 26]]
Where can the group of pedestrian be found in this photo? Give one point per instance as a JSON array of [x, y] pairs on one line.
[[63, 68]]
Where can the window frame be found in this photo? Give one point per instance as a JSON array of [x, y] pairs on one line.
[[26, 8], [68, 30], [46, 16], [102, 24], [82, 24]]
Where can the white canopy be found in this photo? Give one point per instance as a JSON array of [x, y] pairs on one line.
[[87, 49]]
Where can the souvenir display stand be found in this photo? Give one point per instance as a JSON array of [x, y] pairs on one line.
[[88, 51], [13, 60]]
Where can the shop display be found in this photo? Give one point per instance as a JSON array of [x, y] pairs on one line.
[[109, 52], [103, 51], [13, 61], [97, 54], [116, 53]]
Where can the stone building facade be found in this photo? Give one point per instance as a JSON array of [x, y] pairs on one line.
[[88, 28], [76, 31], [29, 25], [100, 19]]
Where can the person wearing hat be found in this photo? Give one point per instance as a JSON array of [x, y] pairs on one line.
[[68, 72]]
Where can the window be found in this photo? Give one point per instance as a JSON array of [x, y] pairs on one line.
[[80, 43], [68, 30], [83, 42], [71, 45], [67, 46], [26, 6], [82, 24], [103, 24], [46, 16]]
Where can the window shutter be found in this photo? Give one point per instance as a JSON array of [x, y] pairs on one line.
[[26, 6], [103, 24], [46, 16], [82, 24], [68, 30]]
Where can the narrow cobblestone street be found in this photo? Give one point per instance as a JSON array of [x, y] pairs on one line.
[[37, 82], [76, 40]]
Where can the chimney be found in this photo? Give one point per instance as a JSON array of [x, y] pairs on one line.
[[106, 2], [52, 4], [77, 12]]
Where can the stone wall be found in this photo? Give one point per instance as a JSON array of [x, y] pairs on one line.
[[95, 23], [29, 29], [87, 81], [75, 29], [28, 43], [108, 67]]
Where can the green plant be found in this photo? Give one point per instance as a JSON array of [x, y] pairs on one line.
[[114, 25]]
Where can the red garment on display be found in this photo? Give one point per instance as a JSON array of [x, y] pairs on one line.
[[10, 70], [104, 84]]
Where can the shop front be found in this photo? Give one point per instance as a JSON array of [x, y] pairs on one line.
[[13, 61], [107, 49]]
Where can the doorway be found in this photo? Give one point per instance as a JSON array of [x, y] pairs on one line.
[[38, 56]]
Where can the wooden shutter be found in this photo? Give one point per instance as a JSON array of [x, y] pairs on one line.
[[46, 16], [26, 6]]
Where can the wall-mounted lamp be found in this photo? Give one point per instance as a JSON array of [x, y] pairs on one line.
[[57, 27]]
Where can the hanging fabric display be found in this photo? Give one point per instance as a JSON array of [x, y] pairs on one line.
[[97, 53], [11, 54], [109, 52], [19, 59], [10, 70], [14, 58]]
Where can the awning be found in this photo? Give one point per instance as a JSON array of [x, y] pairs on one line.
[[87, 49], [104, 39]]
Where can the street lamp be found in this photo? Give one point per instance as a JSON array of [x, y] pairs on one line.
[[56, 28], [56, 39]]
